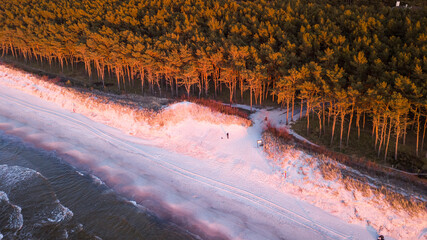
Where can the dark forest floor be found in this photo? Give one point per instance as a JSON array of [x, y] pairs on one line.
[[364, 146]]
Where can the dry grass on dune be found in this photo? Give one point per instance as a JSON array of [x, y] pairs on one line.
[[217, 106], [345, 192], [279, 140]]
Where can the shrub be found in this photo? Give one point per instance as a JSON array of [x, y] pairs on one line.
[[276, 141], [217, 106], [357, 163], [279, 132]]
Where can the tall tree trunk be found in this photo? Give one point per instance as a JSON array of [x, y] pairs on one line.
[[358, 123], [188, 88], [376, 131], [256, 97], [215, 86], [264, 92], [373, 128], [176, 87], [300, 113], [418, 134], [323, 116], [200, 88], [287, 111], [206, 84], [241, 89], [424, 134], [12, 49], [405, 129], [293, 98], [142, 73], [388, 139], [342, 127], [349, 124], [235, 89], [308, 117], [250, 93], [333, 128], [383, 132], [397, 137], [231, 93], [171, 84], [363, 120], [118, 78], [160, 89], [268, 87]]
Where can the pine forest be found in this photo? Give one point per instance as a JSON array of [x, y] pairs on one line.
[[353, 65]]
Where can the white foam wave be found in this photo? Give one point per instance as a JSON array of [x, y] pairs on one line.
[[59, 214], [11, 175], [14, 219], [97, 180], [3, 196], [133, 203], [14, 177]]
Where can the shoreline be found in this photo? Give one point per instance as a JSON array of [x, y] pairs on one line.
[[217, 162], [78, 191]]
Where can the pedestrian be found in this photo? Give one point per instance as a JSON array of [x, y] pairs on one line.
[[227, 135]]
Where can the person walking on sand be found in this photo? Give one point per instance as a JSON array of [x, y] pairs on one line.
[[227, 136]]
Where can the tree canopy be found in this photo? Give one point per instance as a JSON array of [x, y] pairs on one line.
[[352, 57]]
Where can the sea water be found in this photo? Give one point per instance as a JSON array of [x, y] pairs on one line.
[[42, 197]]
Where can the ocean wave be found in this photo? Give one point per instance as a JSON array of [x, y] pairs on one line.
[[33, 195], [97, 180], [59, 214], [11, 219], [3, 196], [11, 176]]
